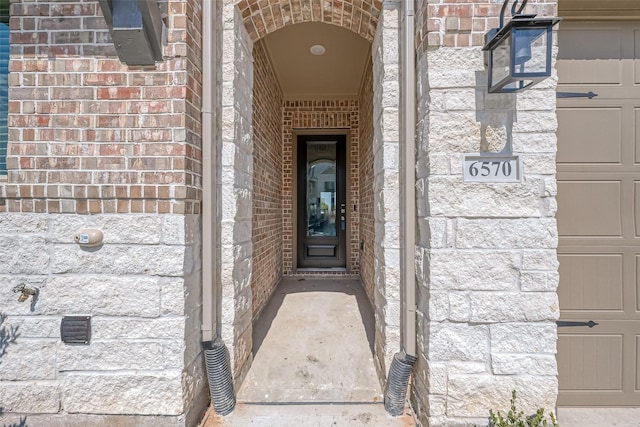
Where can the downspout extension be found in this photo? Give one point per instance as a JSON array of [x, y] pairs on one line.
[[409, 188], [216, 353], [220, 379], [208, 164], [395, 392]]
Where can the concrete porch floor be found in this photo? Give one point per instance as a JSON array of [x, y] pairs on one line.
[[313, 361]]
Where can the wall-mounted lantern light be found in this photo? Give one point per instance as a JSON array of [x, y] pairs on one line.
[[519, 53], [137, 30]]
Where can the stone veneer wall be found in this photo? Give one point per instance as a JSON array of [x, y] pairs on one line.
[[236, 189], [323, 115], [267, 180], [486, 255], [142, 291], [386, 187], [367, 225], [94, 143]]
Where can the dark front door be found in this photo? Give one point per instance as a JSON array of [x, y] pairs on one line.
[[322, 213]]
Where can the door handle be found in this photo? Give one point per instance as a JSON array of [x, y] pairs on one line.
[[564, 323]]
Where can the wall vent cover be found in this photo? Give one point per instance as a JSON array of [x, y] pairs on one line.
[[76, 329]]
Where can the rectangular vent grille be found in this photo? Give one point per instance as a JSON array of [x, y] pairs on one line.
[[76, 329]]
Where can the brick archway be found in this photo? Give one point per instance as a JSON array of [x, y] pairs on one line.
[[262, 17]]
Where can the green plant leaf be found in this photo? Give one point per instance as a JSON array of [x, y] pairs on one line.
[[516, 418]]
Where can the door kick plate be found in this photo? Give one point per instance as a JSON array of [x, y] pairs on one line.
[[321, 250]]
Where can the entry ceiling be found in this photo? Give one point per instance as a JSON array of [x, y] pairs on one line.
[[336, 74]]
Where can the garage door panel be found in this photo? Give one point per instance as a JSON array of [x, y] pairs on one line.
[[634, 293], [598, 166], [601, 398], [591, 282], [590, 208], [597, 72], [636, 207], [636, 281], [592, 61], [604, 42], [598, 9], [636, 65], [637, 364], [600, 72], [636, 135], [590, 362], [589, 135]]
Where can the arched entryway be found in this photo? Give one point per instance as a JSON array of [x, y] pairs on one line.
[[261, 122]]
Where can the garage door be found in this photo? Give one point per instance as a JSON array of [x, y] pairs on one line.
[[599, 214]]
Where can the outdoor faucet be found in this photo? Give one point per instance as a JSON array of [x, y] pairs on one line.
[[25, 292]]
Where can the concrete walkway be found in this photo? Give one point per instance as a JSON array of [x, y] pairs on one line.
[[599, 417], [313, 361]]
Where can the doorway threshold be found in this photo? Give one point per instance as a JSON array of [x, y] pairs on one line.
[[320, 272]]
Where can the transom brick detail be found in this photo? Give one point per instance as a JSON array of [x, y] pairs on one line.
[[263, 17]]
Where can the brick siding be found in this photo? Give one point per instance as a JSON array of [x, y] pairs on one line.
[[267, 180], [263, 17], [87, 134], [340, 115], [367, 221], [464, 23]]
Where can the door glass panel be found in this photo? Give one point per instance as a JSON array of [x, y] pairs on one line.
[[321, 189]]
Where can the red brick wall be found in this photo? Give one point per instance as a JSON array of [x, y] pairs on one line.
[[87, 134], [339, 115], [267, 180], [367, 221], [262, 17], [454, 23]]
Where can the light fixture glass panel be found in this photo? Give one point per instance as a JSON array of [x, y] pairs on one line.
[[530, 50], [500, 59], [321, 189]]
